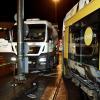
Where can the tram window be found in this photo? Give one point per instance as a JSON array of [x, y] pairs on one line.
[[85, 51], [78, 40]]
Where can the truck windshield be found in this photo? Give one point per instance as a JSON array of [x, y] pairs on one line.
[[36, 33]]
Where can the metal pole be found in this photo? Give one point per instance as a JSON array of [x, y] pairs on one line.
[[20, 43]]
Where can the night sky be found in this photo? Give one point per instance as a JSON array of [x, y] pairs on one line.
[[43, 9]]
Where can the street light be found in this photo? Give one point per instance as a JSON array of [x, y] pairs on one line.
[[55, 3]]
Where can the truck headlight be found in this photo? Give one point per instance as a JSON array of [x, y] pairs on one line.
[[13, 59], [42, 59]]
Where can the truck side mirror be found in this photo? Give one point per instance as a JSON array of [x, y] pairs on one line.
[[26, 30]]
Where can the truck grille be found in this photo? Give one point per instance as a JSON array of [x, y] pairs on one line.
[[34, 50], [32, 63]]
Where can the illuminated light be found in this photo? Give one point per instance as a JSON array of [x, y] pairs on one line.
[[55, 1], [73, 46], [29, 62], [42, 63], [33, 19], [33, 62], [94, 59], [5, 28], [13, 58], [42, 59], [0, 28]]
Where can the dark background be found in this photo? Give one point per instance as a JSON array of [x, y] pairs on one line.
[[43, 9]]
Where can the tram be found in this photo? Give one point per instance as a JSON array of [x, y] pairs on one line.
[[81, 47]]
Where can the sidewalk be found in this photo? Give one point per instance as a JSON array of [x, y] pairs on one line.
[[62, 93]]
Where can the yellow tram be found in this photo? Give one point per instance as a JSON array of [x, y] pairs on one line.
[[81, 46]]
